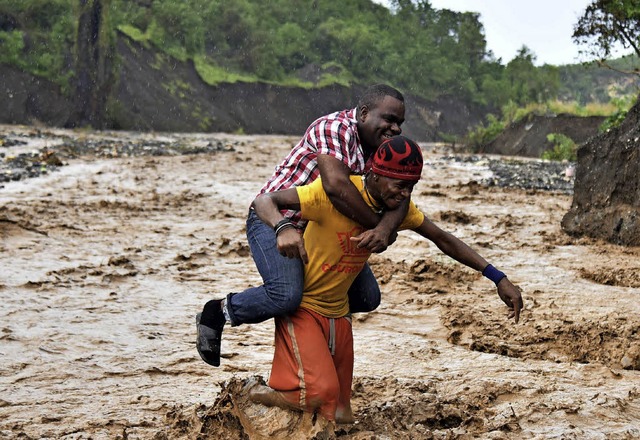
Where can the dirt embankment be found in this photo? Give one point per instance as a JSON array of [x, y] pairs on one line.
[[606, 203], [528, 137], [157, 93]]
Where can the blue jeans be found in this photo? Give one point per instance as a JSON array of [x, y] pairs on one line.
[[283, 280]]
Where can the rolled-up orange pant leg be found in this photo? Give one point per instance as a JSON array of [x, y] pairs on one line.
[[303, 369]]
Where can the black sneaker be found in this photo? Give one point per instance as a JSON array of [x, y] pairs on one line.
[[209, 338]]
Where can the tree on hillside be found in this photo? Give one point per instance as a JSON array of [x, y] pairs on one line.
[[605, 24], [34, 36], [527, 83], [94, 62]]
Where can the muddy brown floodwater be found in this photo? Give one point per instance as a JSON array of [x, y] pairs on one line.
[[105, 262]]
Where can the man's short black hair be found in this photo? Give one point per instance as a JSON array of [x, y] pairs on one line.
[[376, 93]]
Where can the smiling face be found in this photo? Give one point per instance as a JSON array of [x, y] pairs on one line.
[[379, 122], [389, 192]]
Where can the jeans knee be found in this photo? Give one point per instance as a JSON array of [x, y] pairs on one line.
[[363, 302], [291, 304], [285, 299]]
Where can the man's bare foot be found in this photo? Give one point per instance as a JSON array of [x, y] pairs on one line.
[[269, 397], [344, 415]]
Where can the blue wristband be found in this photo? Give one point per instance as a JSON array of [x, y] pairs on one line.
[[493, 274]]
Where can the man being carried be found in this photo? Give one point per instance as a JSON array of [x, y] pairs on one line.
[[313, 361], [334, 147]]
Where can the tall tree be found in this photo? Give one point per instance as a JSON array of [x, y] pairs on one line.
[[94, 62], [607, 23], [529, 84]]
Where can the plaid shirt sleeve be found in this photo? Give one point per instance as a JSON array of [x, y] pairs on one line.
[[333, 138], [334, 135]]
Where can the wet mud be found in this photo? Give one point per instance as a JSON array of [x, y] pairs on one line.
[[107, 259]]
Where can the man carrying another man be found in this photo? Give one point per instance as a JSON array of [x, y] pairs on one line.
[[334, 147], [312, 368]]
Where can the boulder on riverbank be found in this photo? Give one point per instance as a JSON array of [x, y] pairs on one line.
[[606, 200]]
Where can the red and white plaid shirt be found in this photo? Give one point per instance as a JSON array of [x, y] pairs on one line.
[[335, 134]]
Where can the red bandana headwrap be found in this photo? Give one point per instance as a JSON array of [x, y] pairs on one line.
[[398, 158]]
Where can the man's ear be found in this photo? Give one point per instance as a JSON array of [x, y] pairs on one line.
[[364, 112]]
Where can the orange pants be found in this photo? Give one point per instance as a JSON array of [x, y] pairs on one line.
[[304, 369]]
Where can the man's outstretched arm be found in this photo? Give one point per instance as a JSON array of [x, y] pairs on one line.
[[460, 251]]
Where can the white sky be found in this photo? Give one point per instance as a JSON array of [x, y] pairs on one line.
[[544, 26]]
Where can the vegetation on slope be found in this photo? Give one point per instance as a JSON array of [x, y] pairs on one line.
[[423, 51]]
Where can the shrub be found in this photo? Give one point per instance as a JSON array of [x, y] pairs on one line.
[[11, 46], [564, 148], [615, 119], [483, 134]]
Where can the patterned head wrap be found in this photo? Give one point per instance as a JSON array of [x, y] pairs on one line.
[[398, 158]]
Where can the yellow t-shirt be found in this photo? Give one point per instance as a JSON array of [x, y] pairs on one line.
[[334, 261]]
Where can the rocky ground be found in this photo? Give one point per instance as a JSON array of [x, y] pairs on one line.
[[31, 153], [112, 241]]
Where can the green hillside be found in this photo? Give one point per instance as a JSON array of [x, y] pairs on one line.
[[423, 51]]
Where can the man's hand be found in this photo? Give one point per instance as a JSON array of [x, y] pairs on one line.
[[375, 240], [511, 296], [291, 244]]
